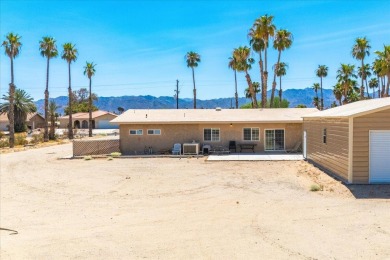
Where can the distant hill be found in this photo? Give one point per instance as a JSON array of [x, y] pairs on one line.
[[294, 96]]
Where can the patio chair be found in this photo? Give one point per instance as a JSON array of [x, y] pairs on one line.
[[232, 146], [176, 149], [297, 148]]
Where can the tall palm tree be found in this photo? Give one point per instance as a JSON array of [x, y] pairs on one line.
[[373, 84], [360, 50], [23, 104], [377, 68], [345, 76], [48, 48], [244, 64], [89, 71], [283, 40], [280, 71], [322, 72], [364, 73], [193, 59], [258, 46], [52, 112], [264, 29], [12, 46], [384, 63], [338, 93], [233, 65], [69, 54], [316, 87]]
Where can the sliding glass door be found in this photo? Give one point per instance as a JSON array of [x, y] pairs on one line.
[[274, 140]]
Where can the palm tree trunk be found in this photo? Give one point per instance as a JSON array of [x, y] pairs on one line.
[[90, 107], [280, 91], [262, 78], [362, 87], [388, 85], [274, 81], [70, 125], [11, 108], [383, 86], [322, 97], [367, 89], [251, 90], [265, 78], [236, 94], [193, 80], [46, 134]]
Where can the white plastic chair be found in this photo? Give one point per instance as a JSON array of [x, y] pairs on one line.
[[176, 149]]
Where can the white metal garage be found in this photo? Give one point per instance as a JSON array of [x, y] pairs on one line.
[[379, 156]]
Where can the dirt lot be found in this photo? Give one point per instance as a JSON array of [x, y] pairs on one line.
[[184, 208]]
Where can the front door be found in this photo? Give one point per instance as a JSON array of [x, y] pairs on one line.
[[274, 140]]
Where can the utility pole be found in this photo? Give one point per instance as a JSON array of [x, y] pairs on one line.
[[177, 94]]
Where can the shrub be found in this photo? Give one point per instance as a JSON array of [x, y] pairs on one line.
[[4, 143], [316, 187], [87, 158], [115, 154], [20, 139], [1, 134], [37, 138]]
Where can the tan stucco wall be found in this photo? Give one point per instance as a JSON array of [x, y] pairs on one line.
[[332, 156], [185, 133], [106, 117], [64, 122], [362, 125], [39, 122]]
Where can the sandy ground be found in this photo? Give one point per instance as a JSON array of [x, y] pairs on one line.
[[166, 208]]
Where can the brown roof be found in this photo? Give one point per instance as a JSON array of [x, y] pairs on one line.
[[4, 118], [184, 116], [354, 109], [95, 114]]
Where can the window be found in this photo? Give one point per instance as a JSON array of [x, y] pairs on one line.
[[154, 132], [136, 132], [324, 136], [211, 134], [251, 134]]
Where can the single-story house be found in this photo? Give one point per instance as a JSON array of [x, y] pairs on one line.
[[264, 129], [351, 141], [100, 120], [33, 121]]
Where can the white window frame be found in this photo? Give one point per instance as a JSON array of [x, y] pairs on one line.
[[137, 131], [219, 134], [251, 128], [265, 138], [154, 131]]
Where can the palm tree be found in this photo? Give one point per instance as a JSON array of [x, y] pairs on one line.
[[89, 71], [264, 29], [316, 87], [244, 64], [365, 72], [384, 67], [48, 49], [233, 65], [338, 93], [378, 69], [69, 54], [322, 72], [53, 113], [12, 46], [23, 104], [256, 89], [373, 84], [258, 46], [193, 60], [360, 49], [345, 75], [280, 71], [283, 40]]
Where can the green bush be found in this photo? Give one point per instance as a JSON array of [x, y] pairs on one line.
[[87, 158], [37, 138], [115, 154], [316, 187], [1, 134], [4, 143]]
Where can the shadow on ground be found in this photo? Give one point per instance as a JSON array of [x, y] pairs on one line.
[[370, 191]]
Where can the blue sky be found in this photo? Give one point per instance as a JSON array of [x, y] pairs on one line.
[[139, 46]]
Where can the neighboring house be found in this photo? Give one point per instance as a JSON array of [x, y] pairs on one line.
[[100, 120], [33, 121], [351, 141], [268, 129]]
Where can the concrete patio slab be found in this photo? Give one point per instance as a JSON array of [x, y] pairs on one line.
[[256, 157]]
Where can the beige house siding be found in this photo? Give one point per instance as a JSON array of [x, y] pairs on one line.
[[36, 121], [332, 156], [362, 126], [185, 133]]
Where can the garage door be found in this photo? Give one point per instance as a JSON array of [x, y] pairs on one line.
[[105, 124], [379, 156]]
